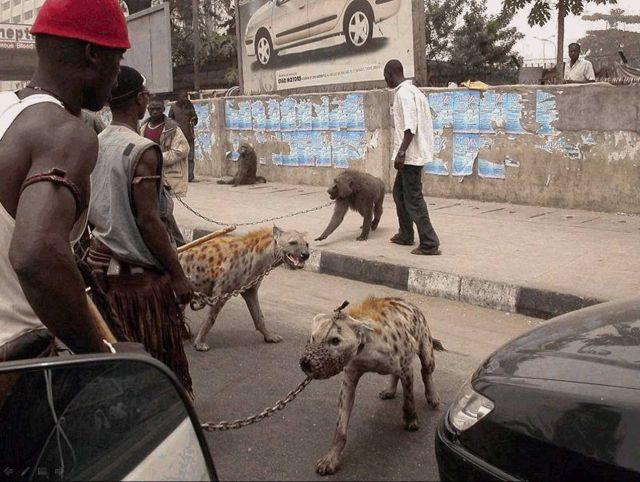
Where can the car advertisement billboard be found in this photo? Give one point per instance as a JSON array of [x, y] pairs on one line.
[[289, 44]]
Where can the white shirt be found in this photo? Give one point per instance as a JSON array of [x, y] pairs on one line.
[[411, 111], [581, 71]]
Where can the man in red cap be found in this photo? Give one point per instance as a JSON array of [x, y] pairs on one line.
[[46, 157]]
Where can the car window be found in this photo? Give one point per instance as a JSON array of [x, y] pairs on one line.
[[281, 2], [109, 418]]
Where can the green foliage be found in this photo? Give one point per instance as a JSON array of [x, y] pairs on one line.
[[614, 18], [602, 46], [540, 12], [484, 41], [441, 17]]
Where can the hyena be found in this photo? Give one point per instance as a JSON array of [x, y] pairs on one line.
[[379, 335], [228, 263]]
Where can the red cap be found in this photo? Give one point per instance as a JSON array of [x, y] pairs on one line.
[[99, 22]]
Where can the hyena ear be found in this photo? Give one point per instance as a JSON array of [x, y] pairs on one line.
[[319, 318], [277, 232], [363, 330]]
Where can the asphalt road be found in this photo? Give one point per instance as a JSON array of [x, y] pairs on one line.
[[241, 375]]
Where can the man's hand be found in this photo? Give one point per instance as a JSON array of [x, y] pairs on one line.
[[183, 289], [398, 163]]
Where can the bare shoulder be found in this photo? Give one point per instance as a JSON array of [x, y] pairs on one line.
[[148, 163]]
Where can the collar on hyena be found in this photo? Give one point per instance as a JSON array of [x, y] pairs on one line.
[[336, 339], [291, 247]]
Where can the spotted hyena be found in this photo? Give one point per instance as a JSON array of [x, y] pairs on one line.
[[228, 263], [379, 335]]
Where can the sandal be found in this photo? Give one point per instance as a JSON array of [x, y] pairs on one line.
[[427, 251], [396, 239]]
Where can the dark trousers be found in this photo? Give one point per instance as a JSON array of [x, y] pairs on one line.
[[411, 207], [191, 159]]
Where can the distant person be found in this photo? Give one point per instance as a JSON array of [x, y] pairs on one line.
[[131, 253], [578, 71], [175, 152], [413, 148], [185, 115], [46, 156]]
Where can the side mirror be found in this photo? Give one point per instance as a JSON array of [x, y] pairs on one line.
[[98, 417]]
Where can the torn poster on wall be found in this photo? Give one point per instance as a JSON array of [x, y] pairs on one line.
[[546, 112], [438, 166], [441, 104], [466, 148], [203, 138], [491, 170], [466, 112]]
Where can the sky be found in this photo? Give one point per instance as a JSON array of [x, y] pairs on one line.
[[531, 48]]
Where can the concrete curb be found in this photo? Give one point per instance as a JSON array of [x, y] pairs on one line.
[[525, 300]]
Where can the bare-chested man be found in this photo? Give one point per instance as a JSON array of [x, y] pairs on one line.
[[46, 156]]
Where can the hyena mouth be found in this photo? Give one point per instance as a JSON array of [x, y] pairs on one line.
[[295, 262]]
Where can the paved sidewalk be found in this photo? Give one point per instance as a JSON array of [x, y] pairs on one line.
[[526, 259]]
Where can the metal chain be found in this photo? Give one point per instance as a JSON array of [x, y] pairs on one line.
[[200, 300], [275, 218], [266, 413]]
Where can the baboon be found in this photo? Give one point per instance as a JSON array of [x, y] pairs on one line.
[[247, 168], [361, 192]]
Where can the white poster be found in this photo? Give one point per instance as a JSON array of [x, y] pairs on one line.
[[287, 44]]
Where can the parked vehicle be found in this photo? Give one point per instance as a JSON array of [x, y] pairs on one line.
[[281, 24], [561, 402], [98, 417]]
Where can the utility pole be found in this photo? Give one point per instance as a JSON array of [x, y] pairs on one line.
[[196, 46]]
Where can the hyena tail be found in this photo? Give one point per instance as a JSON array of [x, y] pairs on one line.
[[437, 345], [260, 179]]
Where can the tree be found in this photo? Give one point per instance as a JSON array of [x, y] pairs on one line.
[[540, 14], [614, 18], [441, 17], [484, 42]]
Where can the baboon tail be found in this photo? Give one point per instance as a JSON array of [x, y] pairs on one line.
[[437, 345], [260, 179]]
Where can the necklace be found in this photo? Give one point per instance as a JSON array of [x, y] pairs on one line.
[[154, 128], [40, 89]]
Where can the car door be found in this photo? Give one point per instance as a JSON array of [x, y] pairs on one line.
[[290, 22], [324, 16]]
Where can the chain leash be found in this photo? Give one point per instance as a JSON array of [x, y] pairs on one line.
[[252, 223], [266, 413]]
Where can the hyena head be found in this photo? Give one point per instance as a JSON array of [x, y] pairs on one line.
[[335, 340], [292, 246]]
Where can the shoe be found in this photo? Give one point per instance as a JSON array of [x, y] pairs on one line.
[[193, 180], [396, 239], [426, 251]]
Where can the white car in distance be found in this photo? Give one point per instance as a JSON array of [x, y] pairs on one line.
[[281, 24]]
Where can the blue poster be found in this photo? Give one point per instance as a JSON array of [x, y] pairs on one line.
[[513, 108], [244, 115], [290, 159], [346, 146], [438, 165], [276, 157], [288, 119], [354, 111], [466, 148], [441, 104], [230, 115], [273, 115], [337, 115], [546, 112], [320, 119], [466, 111], [259, 115], [304, 115], [491, 170], [490, 111], [202, 145], [321, 143], [202, 111], [234, 141]]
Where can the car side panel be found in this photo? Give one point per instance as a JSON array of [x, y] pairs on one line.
[[289, 23], [384, 9], [325, 16]]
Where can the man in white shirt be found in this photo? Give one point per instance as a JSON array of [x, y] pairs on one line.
[[413, 148], [578, 71]]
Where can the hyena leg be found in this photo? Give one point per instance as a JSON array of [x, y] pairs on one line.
[[206, 326], [328, 464], [428, 365], [390, 392], [251, 298], [408, 408]]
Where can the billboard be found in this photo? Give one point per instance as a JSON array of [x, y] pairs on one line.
[[16, 36], [289, 44], [150, 52], [17, 52]]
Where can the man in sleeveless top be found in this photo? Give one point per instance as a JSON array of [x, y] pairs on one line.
[[131, 254], [46, 157]]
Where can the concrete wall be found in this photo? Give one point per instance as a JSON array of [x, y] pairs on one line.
[[558, 146]]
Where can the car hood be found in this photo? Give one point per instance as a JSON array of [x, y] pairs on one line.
[[259, 17], [599, 345]]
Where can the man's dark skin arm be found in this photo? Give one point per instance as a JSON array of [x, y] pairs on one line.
[[398, 163], [152, 229], [40, 252]]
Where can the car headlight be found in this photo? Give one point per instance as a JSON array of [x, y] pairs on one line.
[[469, 408]]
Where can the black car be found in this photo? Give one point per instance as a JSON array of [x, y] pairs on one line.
[[560, 402]]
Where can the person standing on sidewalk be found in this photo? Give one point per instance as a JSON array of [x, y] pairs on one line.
[[130, 253], [185, 115], [413, 148], [46, 157], [175, 150]]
